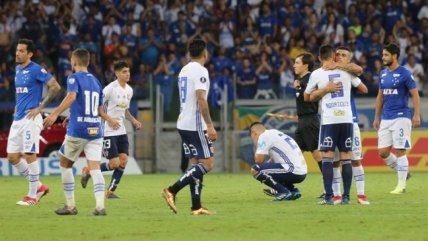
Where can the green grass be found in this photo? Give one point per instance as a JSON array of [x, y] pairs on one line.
[[243, 212]]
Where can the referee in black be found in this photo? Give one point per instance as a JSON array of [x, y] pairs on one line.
[[308, 125]]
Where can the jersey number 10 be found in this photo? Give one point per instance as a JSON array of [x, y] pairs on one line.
[[91, 102]]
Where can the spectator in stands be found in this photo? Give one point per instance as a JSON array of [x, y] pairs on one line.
[[164, 77], [264, 78], [246, 80], [417, 71]]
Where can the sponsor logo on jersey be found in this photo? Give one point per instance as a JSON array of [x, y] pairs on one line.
[[123, 105], [390, 92], [93, 131], [339, 113], [203, 80], [71, 80], [21, 90]]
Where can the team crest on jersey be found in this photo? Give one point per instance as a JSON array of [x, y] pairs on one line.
[[44, 71], [348, 142], [203, 80], [71, 80], [327, 142]]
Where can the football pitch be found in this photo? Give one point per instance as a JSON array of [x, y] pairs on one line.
[[243, 212]]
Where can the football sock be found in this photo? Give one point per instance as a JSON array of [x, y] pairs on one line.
[[358, 173], [268, 180], [23, 168], [99, 186], [105, 167], [195, 192], [347, 176], [327, 176], [33, 178], [337, 178], [197, 171], [391, 161], [115, 179], [320, 165], [402, 170], [68, 185]]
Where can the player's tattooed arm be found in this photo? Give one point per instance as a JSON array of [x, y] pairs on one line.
[[351, 68], [132, 119], [53, 90], [319, 93], [203, 108]]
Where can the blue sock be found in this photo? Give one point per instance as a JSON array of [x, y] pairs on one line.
[[269, 181], [346, 176], [115, 178], [196, 192], [327, 176], [104, 167], [197, 171]]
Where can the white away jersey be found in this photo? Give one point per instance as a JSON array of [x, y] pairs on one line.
[[116, 102], [192, 77], [282, 149], [336, 106]]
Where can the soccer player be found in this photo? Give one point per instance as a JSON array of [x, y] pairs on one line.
[[84, 132], [25, 131], [286, 165], [334, 87], [343, 60], [195, 127], [117, 97], [394, 130]]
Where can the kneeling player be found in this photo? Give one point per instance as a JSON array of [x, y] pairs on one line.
[[286, 166]]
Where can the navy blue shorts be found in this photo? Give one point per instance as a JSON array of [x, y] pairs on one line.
[[115, 145], [336, 135], [196, 144], [279, 174]]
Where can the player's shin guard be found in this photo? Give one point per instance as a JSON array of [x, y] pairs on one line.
[[347, 176], [115, 178], [327, 176], [391, 161], [33, 178], [337, 179], [402, 170], [99, 186], [68, 185], [197, 171], [23, 168], [196, 192], [358, 173]]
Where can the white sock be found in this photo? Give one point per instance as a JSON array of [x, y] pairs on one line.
[[23, 168], [391, 161], [68, 186], [402, 170], [337, 176], [99, 187], [33, 178], [359, 179]]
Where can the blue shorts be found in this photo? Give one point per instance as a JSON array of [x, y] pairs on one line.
[[336, 135], [115, 145], [196, 144], [279, 174]]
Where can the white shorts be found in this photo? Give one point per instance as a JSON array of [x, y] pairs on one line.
[[356, 145], [24, 135], [395, 133], [73, 146]]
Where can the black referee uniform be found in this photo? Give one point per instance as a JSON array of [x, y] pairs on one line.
[[308, 126]]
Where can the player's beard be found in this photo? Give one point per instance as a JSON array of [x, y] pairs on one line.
[[386, 63]]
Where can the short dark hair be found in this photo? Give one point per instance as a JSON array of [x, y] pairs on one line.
[[309, 59], [31, 48], [196, 47], [326, 52], [392, 49], [82, 56], [119, 65], [256, 123]]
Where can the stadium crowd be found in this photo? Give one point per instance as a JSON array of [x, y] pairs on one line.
[[252, 43]]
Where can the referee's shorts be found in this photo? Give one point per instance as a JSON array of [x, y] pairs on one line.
[[307, 132]]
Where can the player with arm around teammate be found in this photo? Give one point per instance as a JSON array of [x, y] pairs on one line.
[[84, 132], [286, 166], [195, 127], [116, 98], [24, 135], [395, 127]]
